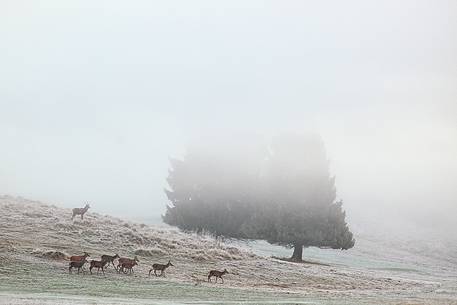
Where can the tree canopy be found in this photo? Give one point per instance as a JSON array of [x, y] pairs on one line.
[[281, 191], [213, 187]]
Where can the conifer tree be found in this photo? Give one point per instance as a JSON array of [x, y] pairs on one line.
[[300, 207]]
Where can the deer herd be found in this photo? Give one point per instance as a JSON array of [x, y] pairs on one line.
[[124, 265]]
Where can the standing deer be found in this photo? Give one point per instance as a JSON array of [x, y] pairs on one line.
[[99, 265], [123, 260], [110, 259], [76, 264], [217, 274], [160, 267], [80, 211]]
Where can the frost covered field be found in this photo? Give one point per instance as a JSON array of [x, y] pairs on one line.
[[35, 239]]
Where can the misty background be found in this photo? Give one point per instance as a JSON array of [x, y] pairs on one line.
[[95, 96]]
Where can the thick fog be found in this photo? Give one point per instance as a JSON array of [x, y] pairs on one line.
[[95, 96]]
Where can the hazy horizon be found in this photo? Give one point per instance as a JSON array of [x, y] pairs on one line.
[[95, 96]]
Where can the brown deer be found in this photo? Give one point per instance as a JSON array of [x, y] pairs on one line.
[[80, 211], [99, 265], [123, 260], [217, 274], [128, 266], [110, 259], [160, 267], [77, 264], [78, 258]]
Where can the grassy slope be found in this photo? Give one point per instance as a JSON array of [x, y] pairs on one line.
[[30, 229]]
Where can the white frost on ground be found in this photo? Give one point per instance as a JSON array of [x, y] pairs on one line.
[[36, 238]]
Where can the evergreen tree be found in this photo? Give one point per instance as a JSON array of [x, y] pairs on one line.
[[213, 187], [299, 208], [239, 188]]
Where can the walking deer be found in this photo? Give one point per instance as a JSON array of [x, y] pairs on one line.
[[76, 264], [123, 260], [99, 265], [217, 274], [128, 266], [80, 211], [110, 259], [161, 268]]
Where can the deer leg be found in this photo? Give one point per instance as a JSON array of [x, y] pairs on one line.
[[209, 278], [69, 269], [90, 269], [155, 272], [222, 280]]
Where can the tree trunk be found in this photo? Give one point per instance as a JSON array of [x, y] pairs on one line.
[[298, 252]]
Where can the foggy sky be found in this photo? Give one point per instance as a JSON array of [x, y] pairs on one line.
[[96, 95]]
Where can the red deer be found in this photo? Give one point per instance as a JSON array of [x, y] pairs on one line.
[[125, 260], [78, 264], [80, 211], [217, 274], [160, 267], [128, 266], [78, 258], [110, 258], [99, 265]]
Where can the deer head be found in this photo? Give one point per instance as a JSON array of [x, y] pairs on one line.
[[169, 263]]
